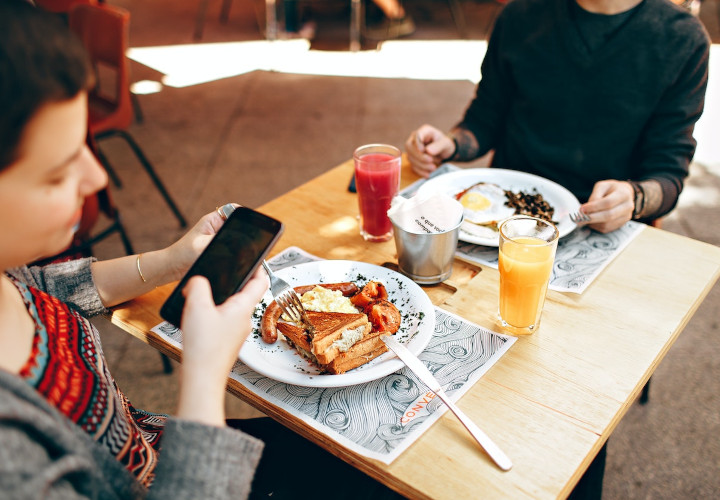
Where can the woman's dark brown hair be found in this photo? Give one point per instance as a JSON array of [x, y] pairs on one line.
[[41, 62]]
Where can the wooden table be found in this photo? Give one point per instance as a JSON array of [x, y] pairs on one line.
[[553, 400]]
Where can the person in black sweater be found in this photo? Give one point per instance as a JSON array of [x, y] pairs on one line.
[[600, 96]]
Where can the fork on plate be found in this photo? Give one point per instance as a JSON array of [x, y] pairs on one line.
[[579, 216], [285, 296]]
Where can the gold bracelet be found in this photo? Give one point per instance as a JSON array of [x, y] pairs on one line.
[[137, 262]]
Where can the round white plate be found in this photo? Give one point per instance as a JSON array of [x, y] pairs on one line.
[[281, 362], [559, 197]]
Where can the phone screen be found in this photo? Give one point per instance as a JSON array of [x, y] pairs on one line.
[[230, 258]]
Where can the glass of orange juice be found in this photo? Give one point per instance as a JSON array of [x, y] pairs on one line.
[[527, 253]]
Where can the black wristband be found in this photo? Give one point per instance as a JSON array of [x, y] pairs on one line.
[[457, 148], [638, 199]]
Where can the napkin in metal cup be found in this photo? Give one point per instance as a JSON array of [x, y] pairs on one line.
[[426, 234]]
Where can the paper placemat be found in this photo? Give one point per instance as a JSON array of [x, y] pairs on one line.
[[382, 418], [580, 257], [410, 190]]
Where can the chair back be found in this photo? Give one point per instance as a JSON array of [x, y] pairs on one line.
[[61, 6], [104, 31]]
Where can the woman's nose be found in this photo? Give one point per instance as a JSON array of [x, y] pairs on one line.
[[94, 175]]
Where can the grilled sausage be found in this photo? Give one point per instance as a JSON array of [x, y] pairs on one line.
[[268, 323]]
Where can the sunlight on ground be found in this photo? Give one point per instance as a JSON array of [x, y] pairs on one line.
[[707, 128], [193, 64], [699, 196]]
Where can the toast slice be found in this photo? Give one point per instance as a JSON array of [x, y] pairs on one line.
[[298, 337], [364, 351], [336, 342], [334, 333]]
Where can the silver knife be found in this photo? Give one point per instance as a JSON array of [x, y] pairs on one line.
[[427, 378]]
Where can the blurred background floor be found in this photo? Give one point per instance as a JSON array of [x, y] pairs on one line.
[[234, 118]]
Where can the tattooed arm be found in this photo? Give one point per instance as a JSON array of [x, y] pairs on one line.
[[466, 145], [428, 147]]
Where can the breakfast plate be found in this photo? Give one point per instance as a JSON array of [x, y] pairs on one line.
[[281, 362], [562, 200]]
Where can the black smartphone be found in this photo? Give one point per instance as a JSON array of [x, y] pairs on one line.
[[230, 259]]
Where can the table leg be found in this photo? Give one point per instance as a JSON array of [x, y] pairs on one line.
[[355, 24], [590, 485], [270, 20], [200, 19]]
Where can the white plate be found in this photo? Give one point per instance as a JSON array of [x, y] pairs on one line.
[[281, 362], [562, 200]]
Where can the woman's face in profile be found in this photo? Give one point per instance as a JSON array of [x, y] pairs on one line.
[[42, 193]]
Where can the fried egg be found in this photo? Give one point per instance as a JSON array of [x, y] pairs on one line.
[[484, 203]]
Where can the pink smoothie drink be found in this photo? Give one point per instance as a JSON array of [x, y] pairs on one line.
[[377, 177]]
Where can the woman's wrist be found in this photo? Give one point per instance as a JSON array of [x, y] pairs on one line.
[[157, 267], [201, 396]]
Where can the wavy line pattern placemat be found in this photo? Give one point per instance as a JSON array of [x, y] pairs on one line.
[[580, 257], [382, 418]]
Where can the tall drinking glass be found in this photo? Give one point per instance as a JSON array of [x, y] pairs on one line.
[[527, 253], [377, 179]]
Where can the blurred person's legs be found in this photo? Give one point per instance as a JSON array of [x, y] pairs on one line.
[[296, 26], [396, 23], [289, 460]]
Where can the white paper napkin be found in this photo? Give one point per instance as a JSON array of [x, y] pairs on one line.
[[435, 213]]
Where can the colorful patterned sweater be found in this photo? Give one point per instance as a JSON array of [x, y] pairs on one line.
[[68, 369]]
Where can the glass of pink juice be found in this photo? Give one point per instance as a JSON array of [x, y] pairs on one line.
[[525, 261], [377, 179]]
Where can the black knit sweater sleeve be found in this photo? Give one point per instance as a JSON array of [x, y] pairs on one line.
[[485, 115], [666, 146]]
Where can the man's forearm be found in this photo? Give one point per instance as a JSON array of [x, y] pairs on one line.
[[467, 148]]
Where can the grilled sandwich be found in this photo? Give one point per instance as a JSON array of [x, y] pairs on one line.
[[336, 342]]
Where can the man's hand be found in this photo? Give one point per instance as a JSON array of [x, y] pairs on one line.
[[426, 148], [610, 205]]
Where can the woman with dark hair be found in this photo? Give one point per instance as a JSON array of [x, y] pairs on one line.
[[66, 428]]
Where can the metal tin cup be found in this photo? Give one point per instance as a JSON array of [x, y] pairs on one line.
[[426, 258]]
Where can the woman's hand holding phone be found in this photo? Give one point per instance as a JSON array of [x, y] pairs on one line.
[[213, 336], [188, 248], [231, 257]]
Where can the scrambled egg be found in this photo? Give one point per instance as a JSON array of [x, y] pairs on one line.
[[323, 300], [348, 339]]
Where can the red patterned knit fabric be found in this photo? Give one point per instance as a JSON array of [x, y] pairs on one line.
[[68, 368]]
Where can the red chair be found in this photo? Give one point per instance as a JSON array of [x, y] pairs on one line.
[[104, 30], [61, 6], [200, 18]]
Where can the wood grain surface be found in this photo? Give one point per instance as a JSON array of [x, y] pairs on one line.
[[553, 400]]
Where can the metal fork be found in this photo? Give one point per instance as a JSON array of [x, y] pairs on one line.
[[285, 296], [579, 216]]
